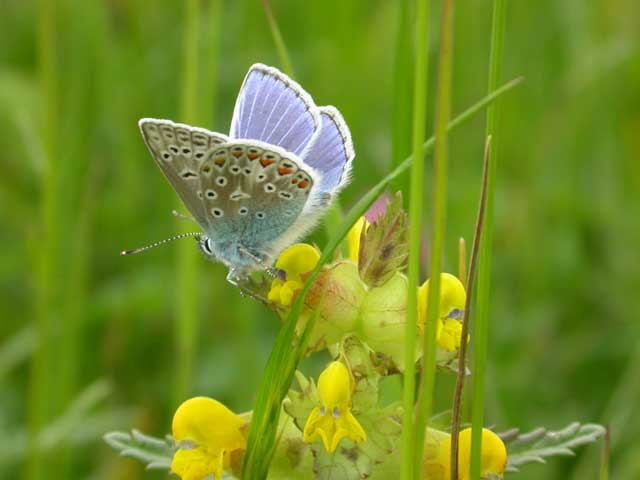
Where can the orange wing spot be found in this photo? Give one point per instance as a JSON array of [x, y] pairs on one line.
[[220, 161], [265, 162], [284, 171], [237, 154], [303, 184], [252, 156], [294, 181]]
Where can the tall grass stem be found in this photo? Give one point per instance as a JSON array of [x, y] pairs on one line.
[[416, 196], [481, 324], [186, 316], [462, 353], [442, 114]]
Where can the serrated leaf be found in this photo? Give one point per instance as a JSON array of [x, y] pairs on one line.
[[155, 453], [539, 444], [383, 246]]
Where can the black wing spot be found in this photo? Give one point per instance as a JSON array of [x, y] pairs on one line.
[[189, 174], [217, 212], [174, 149], [260, 215], [186, 151]]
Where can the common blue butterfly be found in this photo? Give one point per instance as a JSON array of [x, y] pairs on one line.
[[259, 189]]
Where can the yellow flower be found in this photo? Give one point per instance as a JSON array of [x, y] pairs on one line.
[[208, 435], [333, 420], [353, 239], [437, 462], [452, 301], [295, 261]]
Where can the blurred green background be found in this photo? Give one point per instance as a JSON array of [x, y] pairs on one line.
[[91, 341]]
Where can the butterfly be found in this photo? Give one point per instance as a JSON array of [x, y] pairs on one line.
[[262, 187]]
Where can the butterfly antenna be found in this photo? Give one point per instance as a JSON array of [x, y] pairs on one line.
[[161, 242]]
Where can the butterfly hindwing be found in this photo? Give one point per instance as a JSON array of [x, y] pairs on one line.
[[253, 193], [274, 109], [332, 153], [179, 150]]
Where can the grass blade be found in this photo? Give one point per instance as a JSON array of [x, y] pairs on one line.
[[443, 113], [462, 353], [415, 223], [481, 325]]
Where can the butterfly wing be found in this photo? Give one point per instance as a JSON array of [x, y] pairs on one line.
[[332, 153], [180, 150], [274, 109], [253, 192]]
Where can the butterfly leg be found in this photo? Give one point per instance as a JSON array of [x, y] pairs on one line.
[[263, 260], [235, 279]]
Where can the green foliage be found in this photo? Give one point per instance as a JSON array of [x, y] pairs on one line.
[[540, 444]]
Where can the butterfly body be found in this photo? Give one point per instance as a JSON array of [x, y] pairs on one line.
[[257, 190]]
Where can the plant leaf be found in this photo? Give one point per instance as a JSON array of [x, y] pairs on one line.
[[539, 444], [156, 453]]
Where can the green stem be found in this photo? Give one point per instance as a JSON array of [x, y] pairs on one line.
[[283, 360], [415, 223], [481, 325], [48, 241], [402, 83], [443, 113], [462, 369], [187, 262]]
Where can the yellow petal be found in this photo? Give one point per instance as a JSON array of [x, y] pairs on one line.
[[332, 426], [452, 297], [449, 334], [208, 423], [333, 420], [298, 259], [334, 386], [197, 463], [493, 457], [353, 239]]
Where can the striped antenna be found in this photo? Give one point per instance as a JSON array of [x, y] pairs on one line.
[[161, 242]]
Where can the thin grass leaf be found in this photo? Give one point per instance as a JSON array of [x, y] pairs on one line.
[[462, 353], [420, 77], [539, 444], [281, 363], [443, 113], [481, 324]]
